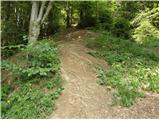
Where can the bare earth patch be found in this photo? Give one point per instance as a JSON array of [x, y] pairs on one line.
[[82, 96]]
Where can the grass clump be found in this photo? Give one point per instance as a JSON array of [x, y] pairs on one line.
[[134, 68], [36, 84]]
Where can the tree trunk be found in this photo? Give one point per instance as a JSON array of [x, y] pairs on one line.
[[37, 19], [71, 14], [68, 14], [34, 31]]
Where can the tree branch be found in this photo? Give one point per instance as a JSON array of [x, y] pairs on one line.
[[33, 11], [41, 10], [47, 11], [36, 10]]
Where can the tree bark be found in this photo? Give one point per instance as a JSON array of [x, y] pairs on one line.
[[68, 15], [37, 18], [34, 31], [41, 10], [47, 11]]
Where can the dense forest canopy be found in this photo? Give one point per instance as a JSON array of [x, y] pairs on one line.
[[123, 18]]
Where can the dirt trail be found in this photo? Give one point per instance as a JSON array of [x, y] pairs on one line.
[[83, 97]]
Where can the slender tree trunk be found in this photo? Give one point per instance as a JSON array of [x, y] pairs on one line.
[[96, 9], [71, 17], [68, 14]]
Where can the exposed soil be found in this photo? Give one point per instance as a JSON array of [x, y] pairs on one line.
[[82, 96]]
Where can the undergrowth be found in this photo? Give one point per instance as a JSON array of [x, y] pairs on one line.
[[134, 68], [36, 84]]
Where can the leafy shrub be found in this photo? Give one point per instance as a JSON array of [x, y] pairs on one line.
[[42, 60], [105, 20], [54, 82], [7, 51], [37, 80], [88, 21], [145, 26], [145, 31], [121, 28], [87, 18], [42, 54]]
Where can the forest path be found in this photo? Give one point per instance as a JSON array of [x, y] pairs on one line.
[[82, 96]]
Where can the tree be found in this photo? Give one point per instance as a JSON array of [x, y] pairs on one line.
[[37, 18], [14, 22], [68, 14], [87, 14]]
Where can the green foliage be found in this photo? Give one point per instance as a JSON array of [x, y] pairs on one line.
[[145, 31], [147, 14], [42, 60], [121, 27], [151, 42], [127, 9], [101, 76], [112, 16], [42, 54], [54, 82], [6, 90], [133, 67], [87, 14], [89, 21], [127, 90], [10, 50], [146, 26], [38, 72], [14, 22], [29, 102], [105, 20]]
